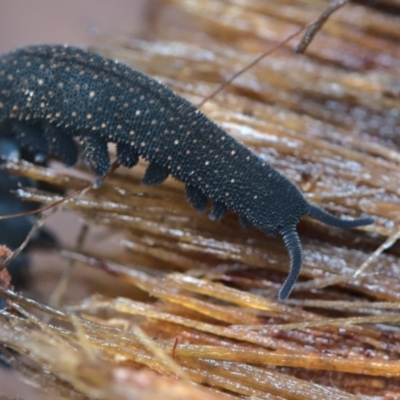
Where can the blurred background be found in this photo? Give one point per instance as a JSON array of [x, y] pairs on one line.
[[74, 22]]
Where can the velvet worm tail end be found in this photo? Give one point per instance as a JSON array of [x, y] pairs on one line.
[[323, 216], [293, 244]]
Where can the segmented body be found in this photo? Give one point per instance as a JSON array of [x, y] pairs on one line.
[[53, 96]]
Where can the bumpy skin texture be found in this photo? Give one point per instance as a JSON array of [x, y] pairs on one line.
[[50, 94], [100, 101]]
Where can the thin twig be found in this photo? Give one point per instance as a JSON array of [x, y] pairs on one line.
[[251, 65], [53, 207], [82, 190], [314, 27]]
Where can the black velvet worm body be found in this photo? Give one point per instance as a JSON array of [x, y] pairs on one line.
[[54, 97]]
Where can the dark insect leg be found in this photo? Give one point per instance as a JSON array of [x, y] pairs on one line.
[[126, 155], [218, 210], [293, 244], [155, 174], [329, 219], [196, 198], [96, 154], [61, 144], [31, 139], [246, 224]]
